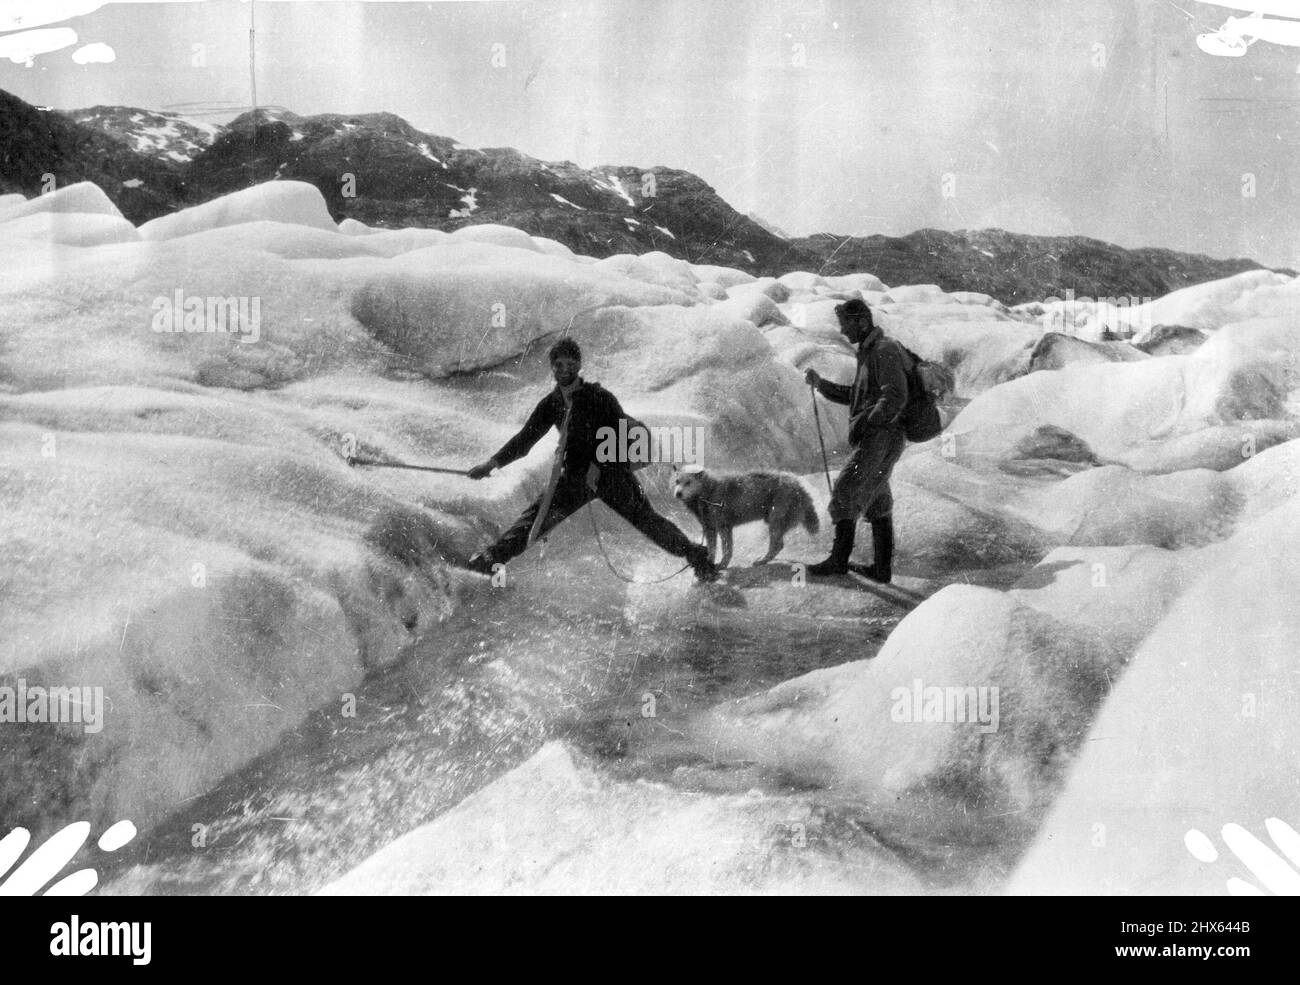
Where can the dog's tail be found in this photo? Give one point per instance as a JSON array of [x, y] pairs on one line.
[[811, 522]]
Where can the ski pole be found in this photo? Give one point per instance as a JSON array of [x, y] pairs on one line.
[[403, 465], [812, 390]]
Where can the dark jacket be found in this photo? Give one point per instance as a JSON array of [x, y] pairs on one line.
[[594, 408], [878, 393]]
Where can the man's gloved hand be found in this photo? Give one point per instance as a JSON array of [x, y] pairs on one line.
[[593, 476], [811, 376], [484, 470]]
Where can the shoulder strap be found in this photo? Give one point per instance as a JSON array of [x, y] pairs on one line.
[[916, 360]]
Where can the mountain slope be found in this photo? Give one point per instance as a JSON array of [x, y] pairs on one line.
[[1013, 267], [401, 176], [380, 170], [167, 137], [35, 143]]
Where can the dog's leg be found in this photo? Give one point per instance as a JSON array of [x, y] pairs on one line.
[[711, 540], [775, 541], [726, 547]]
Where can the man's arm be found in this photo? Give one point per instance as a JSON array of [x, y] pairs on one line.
[[541, 420], [892, 374], [836, 393]]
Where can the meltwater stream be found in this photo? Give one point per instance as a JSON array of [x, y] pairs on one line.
[[562, 652]]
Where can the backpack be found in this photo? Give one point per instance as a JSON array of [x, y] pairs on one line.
[[926, 383]]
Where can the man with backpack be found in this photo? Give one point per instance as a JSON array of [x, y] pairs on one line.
[[877, 398]]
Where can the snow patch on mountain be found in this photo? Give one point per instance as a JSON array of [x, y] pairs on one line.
[[163, 136], [423, 148], [613, 184], [470, 198]]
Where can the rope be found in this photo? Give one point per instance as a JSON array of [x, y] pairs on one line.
[[610, 564], [817, 416]]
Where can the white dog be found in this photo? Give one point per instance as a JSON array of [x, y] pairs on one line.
[[723, 501]]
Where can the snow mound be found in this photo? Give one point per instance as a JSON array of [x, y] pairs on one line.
[[803, 350], [457, 308], [619, 263], [662, 270], [70, 228], [802, 280], [817, 318], [552, 247], [1199, 735], [1113, 505], [1252, 294], [981, 347], [554, 826], [1244, 373], [1110, 596], [769, 286], [1217, 447], [284, 239], [827, 292], [863, 729], [394, 242], [84, 197], [1172, 340], [496, 235], [218, 587], [1057, 351], [866, 283], [726, 277], [974, 297], [921, 294], [354, 227], [758, 309], [294, 202], [110, 330], [808, 336], [1268, 480], [719, 366], [958, 512]]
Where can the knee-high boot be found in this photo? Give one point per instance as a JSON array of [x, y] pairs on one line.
[[838, 562], [882, 550], [882, 547]]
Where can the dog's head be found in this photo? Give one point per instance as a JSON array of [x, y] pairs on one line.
[[688, 482]]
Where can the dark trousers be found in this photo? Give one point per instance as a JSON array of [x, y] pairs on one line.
[[862, 489], [618, 489]]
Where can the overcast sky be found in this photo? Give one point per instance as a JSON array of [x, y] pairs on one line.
[[1097, 117]]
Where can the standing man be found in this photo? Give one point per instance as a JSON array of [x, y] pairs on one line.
[[876, 400], [580, 410]]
